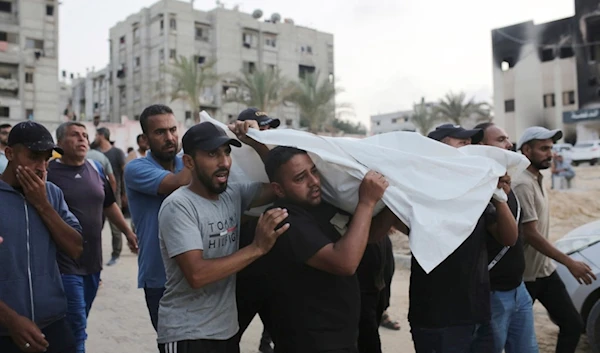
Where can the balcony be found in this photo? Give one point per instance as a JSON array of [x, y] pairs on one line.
[[9, 18], [9, 87]]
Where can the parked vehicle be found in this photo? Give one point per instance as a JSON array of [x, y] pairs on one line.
[[564, 149], [583, 244], [586, 151]]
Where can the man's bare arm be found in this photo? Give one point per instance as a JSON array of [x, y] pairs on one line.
[[505, 229], [174, 181], [114, 214]]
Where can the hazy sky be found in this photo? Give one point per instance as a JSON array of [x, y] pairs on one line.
[[388, 53]]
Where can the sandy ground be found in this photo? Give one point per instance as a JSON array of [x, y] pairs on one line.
[[119, 319]]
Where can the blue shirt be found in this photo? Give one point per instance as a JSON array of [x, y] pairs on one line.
[[142, 179], [3, 162]]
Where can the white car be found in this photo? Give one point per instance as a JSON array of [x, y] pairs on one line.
[[586, 151], [564, 149], [583, 244]]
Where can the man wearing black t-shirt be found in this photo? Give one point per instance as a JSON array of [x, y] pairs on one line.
[[449, 305], [511, 327], [316, 297]]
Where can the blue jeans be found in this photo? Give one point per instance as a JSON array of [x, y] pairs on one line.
[[80, 292], [511, 328]]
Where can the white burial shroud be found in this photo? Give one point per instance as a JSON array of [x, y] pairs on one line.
[[438, 191]]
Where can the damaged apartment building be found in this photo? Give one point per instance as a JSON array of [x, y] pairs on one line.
[[549, 74]]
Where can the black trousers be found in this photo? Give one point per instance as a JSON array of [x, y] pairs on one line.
[[200, 346], [551, 292], [153, 296], [58, 334], [253, 295], [371, 310]]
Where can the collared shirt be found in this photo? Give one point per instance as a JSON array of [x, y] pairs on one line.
[[534, 207], [142, 179]]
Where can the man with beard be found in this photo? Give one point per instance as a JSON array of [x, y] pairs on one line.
[[76, 176], [199, 239], [540, 275], [148, 181], [315, 305], [4, 131], [511, 327]]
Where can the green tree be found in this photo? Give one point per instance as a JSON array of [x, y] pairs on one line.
[[262, 89], [455, 107], [190, 79], [317, 102], [349, 127], [422, 117]]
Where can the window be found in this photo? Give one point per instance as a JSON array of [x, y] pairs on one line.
[[547, 54], [202, 31], [29, 114], [549, 100], [137, 61], [122, 40], [34, 44], [271, 67], [5, 6], [49, 10], [3, 37], [566, 52], [162, 25], [199, 34], [29, 77], [4, 112], [200, 59], [136, 34], [188, 115], [303, 70], [378, 123], [509, 105], [309, 49], [161, 55], [568, 97], [289, 122], [173, 24], [172, 54], [249, 67], [248, 40], [123, 94], [394, 121], [271, 42]]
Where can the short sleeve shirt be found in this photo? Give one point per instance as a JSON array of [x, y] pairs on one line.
[[76, 181], [142, 179], [534, 207], [187, 222], [314, 311], [117, 161]]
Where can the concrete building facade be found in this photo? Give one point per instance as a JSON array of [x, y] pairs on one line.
[[396, 121], [146, 44], [548, 74], [29, 87], [90, 97]]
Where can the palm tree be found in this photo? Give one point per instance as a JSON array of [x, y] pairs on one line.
[[190, 81], [316, 102], [455, 108], [262, 89], [422, 118]]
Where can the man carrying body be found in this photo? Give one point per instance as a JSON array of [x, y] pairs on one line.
[[4, 131], [77, 176], [117, 160], [540, 275], [141, 151], [251, 286], [199, 238], [36, 222], [511, 327], [148, 181], [448, 305], [315, 306]]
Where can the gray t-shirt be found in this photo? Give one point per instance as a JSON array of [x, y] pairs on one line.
[[186, 222]]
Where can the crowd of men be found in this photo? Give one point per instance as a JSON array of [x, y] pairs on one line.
[[214, 252]]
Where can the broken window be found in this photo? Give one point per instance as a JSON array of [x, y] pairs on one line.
[[303, 70], [49, 10], [568, 97], [248, 40], [509, 105], [549, 100], [202, 32], [547, 54], [566, 52], [6, 6]]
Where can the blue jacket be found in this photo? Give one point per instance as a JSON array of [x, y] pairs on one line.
[[30, 282]]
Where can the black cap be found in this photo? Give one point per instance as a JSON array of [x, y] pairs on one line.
[[33, 136], [456, 131], [261, 118], [206, 136]]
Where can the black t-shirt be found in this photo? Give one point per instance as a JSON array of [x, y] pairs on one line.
[[87, 194], [117, 161], [507, 274], [312, 310], [457, 291]]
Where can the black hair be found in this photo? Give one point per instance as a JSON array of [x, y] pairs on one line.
[[129, 149], [277, 157], [484, 126], [154, 109], [5, 126], [138, 138]]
